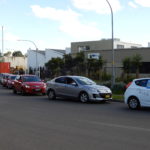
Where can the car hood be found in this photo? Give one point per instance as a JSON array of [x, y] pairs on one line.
[[100, 88]]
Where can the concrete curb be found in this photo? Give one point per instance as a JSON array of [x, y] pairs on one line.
[[115, 100]]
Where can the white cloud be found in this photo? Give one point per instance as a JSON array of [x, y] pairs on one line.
[[99, 6], [132, 4], [144, 3], [69, 22]]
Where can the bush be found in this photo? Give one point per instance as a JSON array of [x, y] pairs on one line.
[[119, 88]]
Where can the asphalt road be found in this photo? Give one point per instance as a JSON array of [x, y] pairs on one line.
[[35, 123]]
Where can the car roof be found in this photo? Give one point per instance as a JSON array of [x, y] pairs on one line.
[[142, 79]]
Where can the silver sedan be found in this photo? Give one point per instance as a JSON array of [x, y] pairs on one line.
[[77, 87]]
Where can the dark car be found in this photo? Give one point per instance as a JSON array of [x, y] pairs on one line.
[[29, 84]]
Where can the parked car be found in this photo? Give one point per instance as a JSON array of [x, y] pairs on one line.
[[5, 79], [29, 84], [10, 81], [77, 87], [138, 93], [1, 77]]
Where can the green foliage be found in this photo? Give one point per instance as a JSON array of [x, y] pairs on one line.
[[130, 63], [55, 65], [106, 77], [7, 53], [119, 88], [17, 54], [77, 65], [126, 64], [129, 79]]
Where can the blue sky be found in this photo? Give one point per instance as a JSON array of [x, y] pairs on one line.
[[57, 23]]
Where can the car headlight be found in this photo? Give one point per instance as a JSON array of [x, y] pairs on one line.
[[105, 91], [44, 85], [27, 86]]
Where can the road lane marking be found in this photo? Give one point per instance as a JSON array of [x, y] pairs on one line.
[[117, 125]]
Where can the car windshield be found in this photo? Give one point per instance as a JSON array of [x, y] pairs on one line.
[[13, 77], [31, 79], [84, 81]]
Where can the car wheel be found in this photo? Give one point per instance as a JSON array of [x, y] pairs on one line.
[[133, 103], [14, 91], [83, 97], [23, 92], [51, 95]]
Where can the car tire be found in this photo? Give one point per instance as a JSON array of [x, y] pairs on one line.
[[51, 95], [83, 97], [14, 91], [133, 103], [23, 92]]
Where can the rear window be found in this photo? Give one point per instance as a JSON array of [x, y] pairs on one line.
[[142, 83], [31, 79], [13, 77]]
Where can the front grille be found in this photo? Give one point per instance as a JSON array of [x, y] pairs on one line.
[[105, 95], [36, 90]]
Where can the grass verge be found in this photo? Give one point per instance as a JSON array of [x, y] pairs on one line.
[[118, 97]]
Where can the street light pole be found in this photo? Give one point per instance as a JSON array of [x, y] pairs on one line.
[[36, 52], [2, 41], [113, 59]]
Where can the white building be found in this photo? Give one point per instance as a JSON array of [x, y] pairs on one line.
[[42, 57]]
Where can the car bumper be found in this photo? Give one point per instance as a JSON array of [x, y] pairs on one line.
[[35, 91], [100, 97]]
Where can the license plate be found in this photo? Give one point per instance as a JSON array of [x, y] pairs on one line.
[[37, 89], [107, 96]]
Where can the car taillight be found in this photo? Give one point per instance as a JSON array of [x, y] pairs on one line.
[[128, 85]]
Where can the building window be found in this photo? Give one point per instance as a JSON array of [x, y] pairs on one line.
[[120, 46], [83, 48]]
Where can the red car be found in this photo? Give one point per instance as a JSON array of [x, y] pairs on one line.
[[10, 81], [29, 84]]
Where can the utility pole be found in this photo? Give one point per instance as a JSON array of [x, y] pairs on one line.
[[113, 55], [2, 41]]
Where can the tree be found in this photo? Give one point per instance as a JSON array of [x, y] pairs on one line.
[[69, 63], [55, 66], [136, 61], [7, 53], [17, 54], [79, 61], [94, 67], [126, 65]]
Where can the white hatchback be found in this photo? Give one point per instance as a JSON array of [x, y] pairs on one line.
[[138, 93]]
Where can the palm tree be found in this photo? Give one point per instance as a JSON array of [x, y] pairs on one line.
[[136, 61], [126, 66]]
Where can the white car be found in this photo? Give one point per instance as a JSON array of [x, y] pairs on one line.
[[138, 93]]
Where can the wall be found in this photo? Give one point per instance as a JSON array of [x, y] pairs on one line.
[[119, 55], [16, 61], [31, 61]]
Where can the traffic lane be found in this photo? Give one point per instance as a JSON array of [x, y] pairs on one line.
[[34, 122]]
